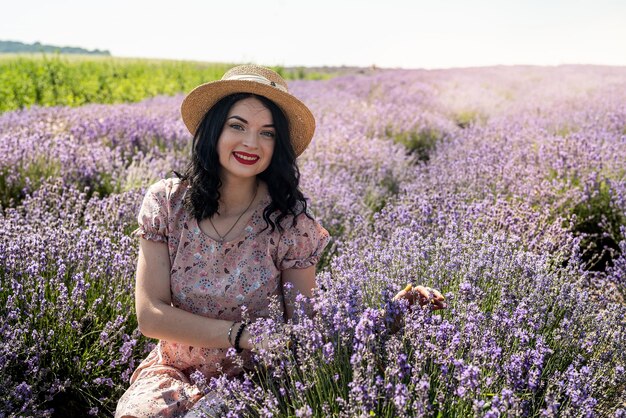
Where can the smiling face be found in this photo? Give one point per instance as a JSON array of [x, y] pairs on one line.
[[246, 144]]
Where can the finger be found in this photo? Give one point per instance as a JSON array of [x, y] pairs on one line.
[[400, 294], [410, 297], [423, 291], [437, 294], [406, 291], [437, 305], [434, 293], [423, 298]]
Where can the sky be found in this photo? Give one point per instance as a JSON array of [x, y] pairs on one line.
[[313, 33]]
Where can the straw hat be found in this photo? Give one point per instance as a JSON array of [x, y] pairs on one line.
[[257, 80]]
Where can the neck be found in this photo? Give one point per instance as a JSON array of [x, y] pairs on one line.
[[236, 194]]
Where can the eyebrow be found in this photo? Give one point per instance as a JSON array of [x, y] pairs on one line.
[[271, 125]]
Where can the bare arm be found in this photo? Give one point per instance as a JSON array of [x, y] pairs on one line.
[[156, 316]]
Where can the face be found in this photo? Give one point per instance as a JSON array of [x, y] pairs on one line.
[[246, 144]]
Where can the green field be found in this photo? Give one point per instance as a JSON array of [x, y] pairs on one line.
[[71, 80]]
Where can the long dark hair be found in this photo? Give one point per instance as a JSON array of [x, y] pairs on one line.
[[203, 170]]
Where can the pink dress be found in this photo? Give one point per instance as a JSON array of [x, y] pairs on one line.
[[214, 280]]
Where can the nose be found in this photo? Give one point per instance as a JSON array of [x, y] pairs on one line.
[[251, 140]]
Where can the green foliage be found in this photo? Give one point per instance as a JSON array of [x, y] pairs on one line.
[[331, 250], [467, 118], [326, 382], [378, 195], [422, 142], [13, 183], [597, 221], [52, 80], [57, 80]]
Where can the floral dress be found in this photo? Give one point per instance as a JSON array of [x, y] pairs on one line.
[[215, 280]]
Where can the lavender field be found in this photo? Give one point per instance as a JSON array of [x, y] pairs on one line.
[[503, 187]]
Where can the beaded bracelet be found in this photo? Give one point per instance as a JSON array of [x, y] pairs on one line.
[[238, 337], [230, 331]]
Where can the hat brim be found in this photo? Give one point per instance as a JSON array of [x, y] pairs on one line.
[[300, 119]]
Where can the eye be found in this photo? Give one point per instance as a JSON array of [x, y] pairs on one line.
[[269, 134], [236, 126]]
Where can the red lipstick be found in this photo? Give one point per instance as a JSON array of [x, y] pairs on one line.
[[245, 158]]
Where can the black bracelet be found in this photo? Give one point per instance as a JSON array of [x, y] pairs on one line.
[[238, 337]]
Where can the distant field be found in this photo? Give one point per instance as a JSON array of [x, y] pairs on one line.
[[75, 80]]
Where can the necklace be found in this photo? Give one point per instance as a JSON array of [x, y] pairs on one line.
[[223, 237]]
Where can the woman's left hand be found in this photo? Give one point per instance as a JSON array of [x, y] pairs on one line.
[[425, 296]]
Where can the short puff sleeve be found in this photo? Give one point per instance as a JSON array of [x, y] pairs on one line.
[[301, 246], [153, 214]]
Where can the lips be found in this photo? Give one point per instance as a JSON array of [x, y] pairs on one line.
[[245, 158]]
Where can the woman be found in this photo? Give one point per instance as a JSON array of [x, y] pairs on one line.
[[227, 233]]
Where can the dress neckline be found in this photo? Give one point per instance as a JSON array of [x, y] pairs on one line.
[[261, 204]]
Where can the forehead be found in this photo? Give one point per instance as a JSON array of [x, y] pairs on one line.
[[251, 107]]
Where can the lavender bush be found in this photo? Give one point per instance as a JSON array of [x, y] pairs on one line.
[[505, 188]]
